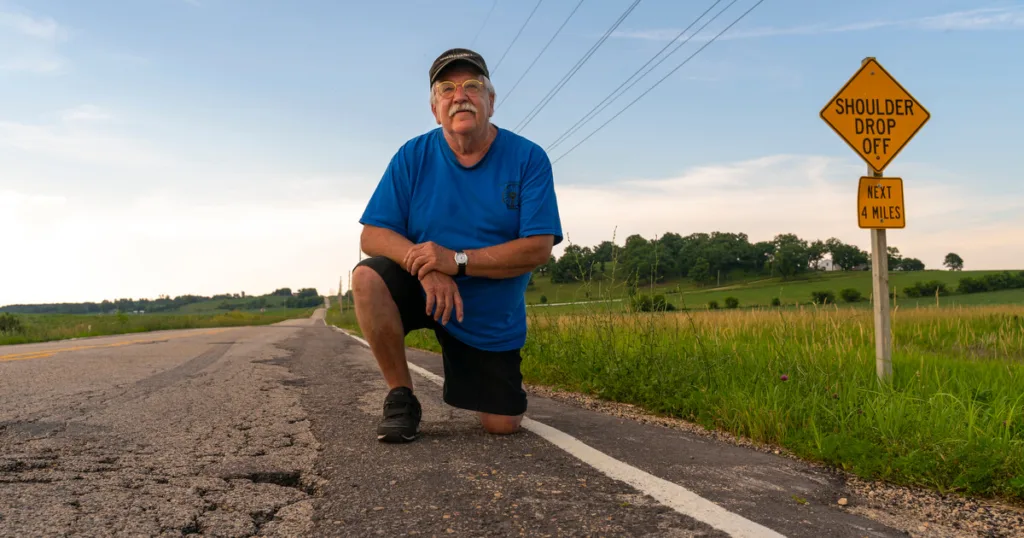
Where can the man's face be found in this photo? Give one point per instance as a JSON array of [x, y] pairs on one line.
[[467, 106]]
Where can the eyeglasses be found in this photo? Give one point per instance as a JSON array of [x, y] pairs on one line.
[[472, 87]]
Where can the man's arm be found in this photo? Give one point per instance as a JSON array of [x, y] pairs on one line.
[[377, 241], [511, 259], [506, 260], [443, 298]]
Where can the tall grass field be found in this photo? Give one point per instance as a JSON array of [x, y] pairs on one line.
[[46, 327], [952, 418]]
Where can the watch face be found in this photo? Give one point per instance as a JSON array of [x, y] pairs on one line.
[[461, 257]]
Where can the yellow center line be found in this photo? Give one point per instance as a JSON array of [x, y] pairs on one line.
[[43, 353]]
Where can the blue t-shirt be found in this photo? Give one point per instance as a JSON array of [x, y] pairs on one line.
[[427, 195]]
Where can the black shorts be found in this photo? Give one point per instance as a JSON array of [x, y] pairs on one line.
[[474, 379]]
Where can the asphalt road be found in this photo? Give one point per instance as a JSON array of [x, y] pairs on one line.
[[270, 431]]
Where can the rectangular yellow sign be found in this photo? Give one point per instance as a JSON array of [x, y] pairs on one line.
[[880, 203], [875, 115]]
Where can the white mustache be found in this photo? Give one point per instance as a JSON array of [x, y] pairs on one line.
[[460, 107]]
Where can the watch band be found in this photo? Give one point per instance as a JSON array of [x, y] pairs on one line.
[[461, 264]]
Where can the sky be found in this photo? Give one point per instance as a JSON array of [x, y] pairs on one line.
[[170, 147]]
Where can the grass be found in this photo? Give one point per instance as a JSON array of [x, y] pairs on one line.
[[952, 419], [48, 327]]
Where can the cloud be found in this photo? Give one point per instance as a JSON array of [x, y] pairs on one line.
[[970, 20], [977, 19], [45, 29], [811, 196], [80, 135], [83, 145], [85, 113], [165, 243], [29, 44]]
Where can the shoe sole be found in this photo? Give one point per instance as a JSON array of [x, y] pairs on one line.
[[396, 437]]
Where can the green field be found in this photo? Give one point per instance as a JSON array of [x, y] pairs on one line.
[[247, 303], [802, 376], [759, 291], [48, 327], [20, 324]]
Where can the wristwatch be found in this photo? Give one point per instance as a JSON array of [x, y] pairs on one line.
[[460, 259]]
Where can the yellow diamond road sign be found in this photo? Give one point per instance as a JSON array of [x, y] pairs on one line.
[[875, 115], [880, 203]]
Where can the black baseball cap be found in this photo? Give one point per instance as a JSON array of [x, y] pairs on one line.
[[451, 56]]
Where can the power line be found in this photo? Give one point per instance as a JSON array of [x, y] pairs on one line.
[[514, 39], [561, 83], [662, 79], [572, 71], [484, 25], [541, 53], [591, 114]]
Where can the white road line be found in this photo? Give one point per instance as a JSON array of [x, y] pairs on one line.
[[668, 493]]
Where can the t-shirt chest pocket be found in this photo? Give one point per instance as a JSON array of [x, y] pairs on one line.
[[501, 214]]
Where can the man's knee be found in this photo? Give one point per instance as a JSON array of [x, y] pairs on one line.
[[366, 282], [370, 292], [500, 424]]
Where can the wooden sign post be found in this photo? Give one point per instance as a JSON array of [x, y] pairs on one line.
[[876, 116]]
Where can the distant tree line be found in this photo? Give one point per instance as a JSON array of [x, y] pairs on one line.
[[304, 298], [706, 257]]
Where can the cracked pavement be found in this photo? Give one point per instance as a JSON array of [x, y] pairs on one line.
[[200, 435]]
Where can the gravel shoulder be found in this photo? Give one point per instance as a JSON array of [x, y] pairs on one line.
[[915, 511]]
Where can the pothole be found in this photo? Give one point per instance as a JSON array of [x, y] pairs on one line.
[[288, 479], [260, 473]]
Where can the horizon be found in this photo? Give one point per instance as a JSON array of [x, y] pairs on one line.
[[201, 147]]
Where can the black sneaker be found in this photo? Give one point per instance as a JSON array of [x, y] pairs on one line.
[[402, 413]]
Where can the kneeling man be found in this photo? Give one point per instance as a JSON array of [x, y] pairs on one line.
[[461, 217]]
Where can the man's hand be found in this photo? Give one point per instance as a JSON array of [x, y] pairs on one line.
[[442, 293], [423, 258]]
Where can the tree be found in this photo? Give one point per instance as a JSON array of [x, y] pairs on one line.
[[606, 251], [790, 256], [640, 259], [815, 253], [894, 258], [668, 248], [700, 272], [9, 324], [308, 292], [759, 255], [844, 255], [576, 263], [911, 264], [954, 262]]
